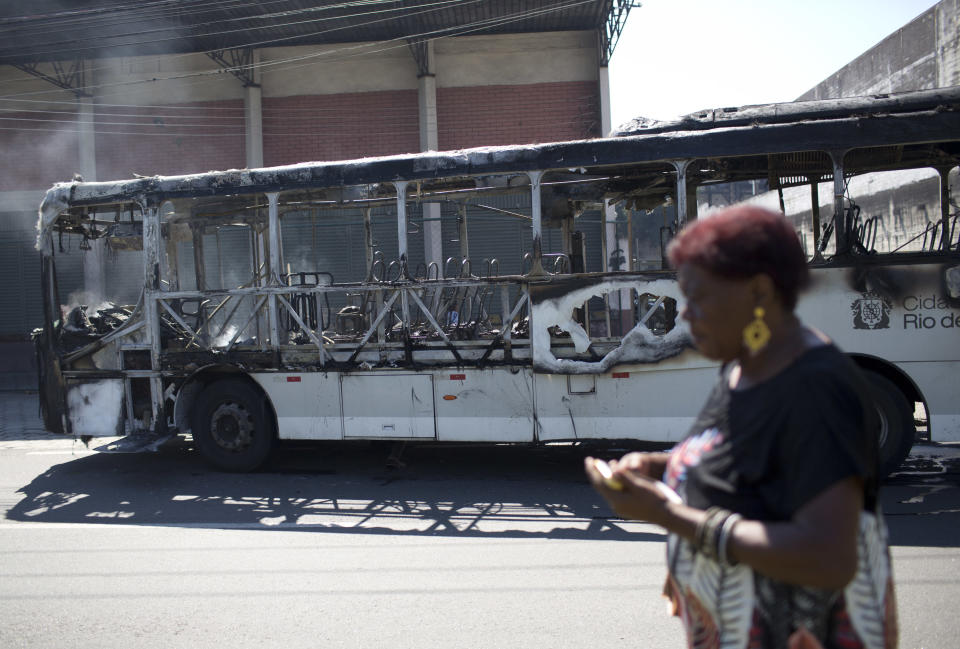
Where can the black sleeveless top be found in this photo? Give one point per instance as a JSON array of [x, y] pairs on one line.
[[765, 452]]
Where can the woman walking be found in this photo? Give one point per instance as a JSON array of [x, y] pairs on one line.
[[776, 539]]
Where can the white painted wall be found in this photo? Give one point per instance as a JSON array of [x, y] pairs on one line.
[[158, 80], [22, 91], [336, 69], [516, 59]]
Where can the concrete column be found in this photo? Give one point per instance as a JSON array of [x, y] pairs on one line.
[[275, 264], [604, 80], [616, 258], [617, 303], [401, 186], [253, 116], [94, 272], [427, 97], [88, 141], [429, 141], [536, 214], [432, 234]]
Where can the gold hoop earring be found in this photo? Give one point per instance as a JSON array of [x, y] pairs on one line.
[[756, 335]]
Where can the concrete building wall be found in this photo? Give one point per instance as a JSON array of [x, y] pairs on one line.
[[923, 54], [180, 114], [345, 68], [161, 80], [516, 60]]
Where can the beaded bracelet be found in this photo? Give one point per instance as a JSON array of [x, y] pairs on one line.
[[726, 531], [707, 534]]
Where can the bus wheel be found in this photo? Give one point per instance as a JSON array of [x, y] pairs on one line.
[[896, 429], [231, 426]]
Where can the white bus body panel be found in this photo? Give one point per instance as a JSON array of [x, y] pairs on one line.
[[915, 330], [485, 405], [307, 404], [634, 402], [389, 405]]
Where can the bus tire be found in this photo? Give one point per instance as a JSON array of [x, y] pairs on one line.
[[896, 426], [232, 426]]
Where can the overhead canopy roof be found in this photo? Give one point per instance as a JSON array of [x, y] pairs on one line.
[[48, 30]]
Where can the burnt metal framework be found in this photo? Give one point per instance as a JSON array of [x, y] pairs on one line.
[[464, 314]]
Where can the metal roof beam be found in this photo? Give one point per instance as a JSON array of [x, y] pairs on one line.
[[68, 75], [616, 18], [237, 61], [421, 54]]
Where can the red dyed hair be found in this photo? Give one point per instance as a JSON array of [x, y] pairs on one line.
[[742, 241]]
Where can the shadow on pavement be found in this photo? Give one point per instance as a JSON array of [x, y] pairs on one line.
[[464, 490], [482, 491], [922, 500]]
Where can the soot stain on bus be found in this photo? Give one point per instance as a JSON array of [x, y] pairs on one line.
[[899, 283]]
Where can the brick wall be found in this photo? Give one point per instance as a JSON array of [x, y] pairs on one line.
[[339, 127], [38, 149], [176, 139], [517, 114]]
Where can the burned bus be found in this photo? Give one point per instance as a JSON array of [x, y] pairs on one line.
[[287, 303]]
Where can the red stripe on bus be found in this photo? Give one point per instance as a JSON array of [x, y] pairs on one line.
[[621, 375], [293, 379], [458, 377]]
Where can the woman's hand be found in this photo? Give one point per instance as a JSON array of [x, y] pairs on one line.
[[631, 489], [650, 465]]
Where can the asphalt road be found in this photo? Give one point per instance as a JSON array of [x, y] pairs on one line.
[[327, 547]]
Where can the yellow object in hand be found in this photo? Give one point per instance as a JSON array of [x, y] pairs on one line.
[[607, 473]]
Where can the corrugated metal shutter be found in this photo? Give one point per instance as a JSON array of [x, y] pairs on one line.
[[123, 270], [232, 249], [69, 262], [20, 266], [495, 235], [20, 270], [14, 313], [591, 224], [185, 268], [318, 242]]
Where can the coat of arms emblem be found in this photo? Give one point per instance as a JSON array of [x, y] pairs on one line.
[[871, 311]]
